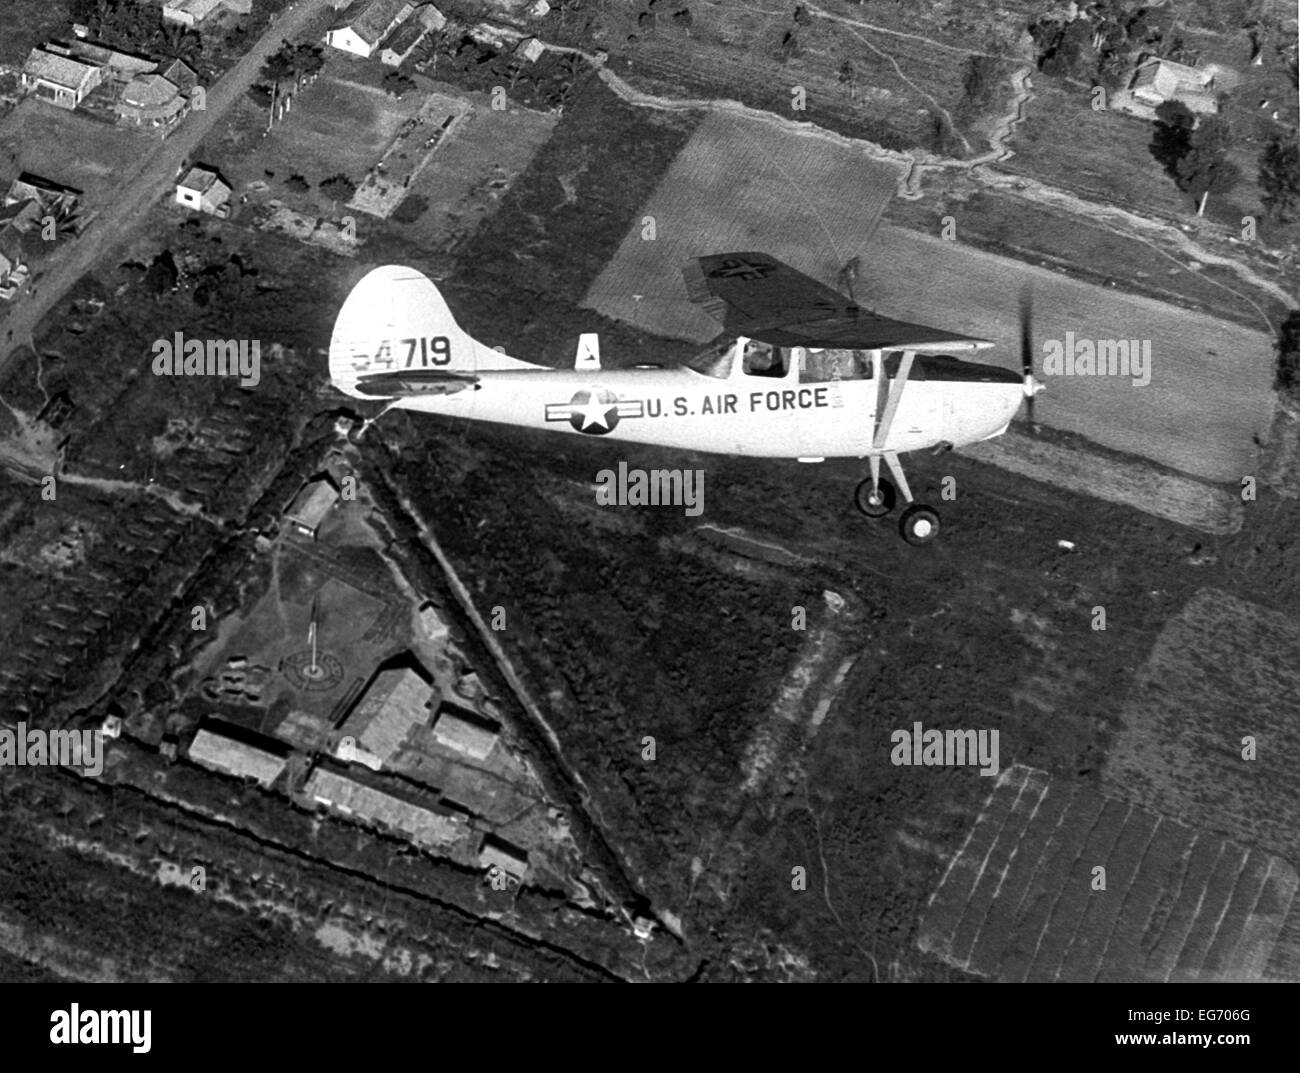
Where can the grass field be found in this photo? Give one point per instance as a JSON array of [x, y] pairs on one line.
[[907, 64], [70, 149], [337, 126]]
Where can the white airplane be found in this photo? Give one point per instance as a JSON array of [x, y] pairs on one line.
[[804, 373]]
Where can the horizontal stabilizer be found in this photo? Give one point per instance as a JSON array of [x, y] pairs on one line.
[[588, 356], [415, 382]]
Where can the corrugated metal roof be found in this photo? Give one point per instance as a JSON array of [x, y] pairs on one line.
[[367, 803]]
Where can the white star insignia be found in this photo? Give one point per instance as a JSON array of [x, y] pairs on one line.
[[595, 412]]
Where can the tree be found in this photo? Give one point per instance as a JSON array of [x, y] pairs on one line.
[[398, 85], [65, 219], [1288, 356], [847, 78], [162, 275], [979, 80], [338, 188], [1279, 177], [297, 184], [789, 48], [1205, 169], [1073, 53], [1172, 137], [178, 42]]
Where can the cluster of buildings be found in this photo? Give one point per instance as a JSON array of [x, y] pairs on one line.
[[390, 28], [148, 94], [399, 708], [28, 203]]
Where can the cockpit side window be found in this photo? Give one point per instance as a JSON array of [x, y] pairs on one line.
[[763, 359], [819, 366]]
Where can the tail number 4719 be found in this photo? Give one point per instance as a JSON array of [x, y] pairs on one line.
[[435, 350]]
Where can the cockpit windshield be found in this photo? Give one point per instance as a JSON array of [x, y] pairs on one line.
[[763, 359], [716, 360]]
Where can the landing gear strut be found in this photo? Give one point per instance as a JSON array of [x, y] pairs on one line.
[[875, 497]]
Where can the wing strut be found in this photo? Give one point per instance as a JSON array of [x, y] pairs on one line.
[[885, 421]]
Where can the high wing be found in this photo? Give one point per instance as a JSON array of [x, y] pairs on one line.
[[759, 297]]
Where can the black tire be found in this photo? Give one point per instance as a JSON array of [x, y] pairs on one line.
[[862, 496], [919, 524]]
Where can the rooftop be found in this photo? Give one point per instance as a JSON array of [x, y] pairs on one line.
[[149, 91], [216, 749], [464, 731], [368, 803], [57, 70], [375, 17], [396, 701], [313, 501], [402, 39], [510, 859], [200, 178]]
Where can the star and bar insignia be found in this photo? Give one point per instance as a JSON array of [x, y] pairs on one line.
[[594, 411]]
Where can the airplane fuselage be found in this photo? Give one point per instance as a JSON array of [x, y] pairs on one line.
[[758, 416]]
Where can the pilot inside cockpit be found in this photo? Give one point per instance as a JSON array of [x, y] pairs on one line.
[[762, 359]]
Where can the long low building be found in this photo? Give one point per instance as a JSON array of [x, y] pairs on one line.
[[235, 751], [465, 731], [367, 803]]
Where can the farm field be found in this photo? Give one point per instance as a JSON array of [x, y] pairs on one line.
[[816, 204], [1210, 392], [1019, 901], [742, 184], [472, 170], [1223, 669]]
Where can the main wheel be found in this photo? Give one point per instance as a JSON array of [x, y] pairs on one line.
[[876, 506], [919, 524]]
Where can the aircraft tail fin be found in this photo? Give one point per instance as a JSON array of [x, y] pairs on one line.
[[395, 326]]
